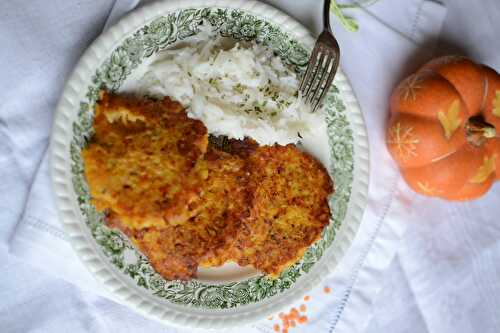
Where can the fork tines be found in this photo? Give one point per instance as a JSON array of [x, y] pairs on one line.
[[320, 71]]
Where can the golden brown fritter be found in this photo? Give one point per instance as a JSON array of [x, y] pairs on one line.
[[289, 191], [185, 202], [210, 221], [172, 251], [141, 154], [223, 201]]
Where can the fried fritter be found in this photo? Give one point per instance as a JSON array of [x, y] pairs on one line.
[[185, 202], [141, 153], [169, 249], [210, 221], [289, 211]]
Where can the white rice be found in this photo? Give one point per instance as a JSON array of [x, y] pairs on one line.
[[237, 90]]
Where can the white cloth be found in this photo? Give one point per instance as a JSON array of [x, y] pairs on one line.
[[445, 275], [374, 59]]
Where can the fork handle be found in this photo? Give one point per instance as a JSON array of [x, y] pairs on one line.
[[326, 16]]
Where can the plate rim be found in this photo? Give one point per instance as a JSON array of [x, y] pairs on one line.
[[60, 167]]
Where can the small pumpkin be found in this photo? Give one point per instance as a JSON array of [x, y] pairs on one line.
[[443, 128]]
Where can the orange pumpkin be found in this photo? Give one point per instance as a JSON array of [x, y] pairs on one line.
[[443, 128]]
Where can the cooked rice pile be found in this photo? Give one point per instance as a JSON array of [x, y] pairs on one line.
[[238, 90]]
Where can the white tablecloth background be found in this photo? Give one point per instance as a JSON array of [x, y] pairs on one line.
[[445, 276]]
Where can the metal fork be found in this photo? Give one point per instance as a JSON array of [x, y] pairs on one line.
[[322, 66]]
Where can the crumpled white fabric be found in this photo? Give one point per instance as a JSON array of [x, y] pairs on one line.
[[46, 41], [445, 275]]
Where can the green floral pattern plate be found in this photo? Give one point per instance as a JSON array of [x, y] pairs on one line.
[[109, 255]]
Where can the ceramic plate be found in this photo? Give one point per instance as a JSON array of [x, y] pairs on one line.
[[228, 297]]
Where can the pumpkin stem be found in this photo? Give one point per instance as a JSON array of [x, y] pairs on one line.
[[478, 131]]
